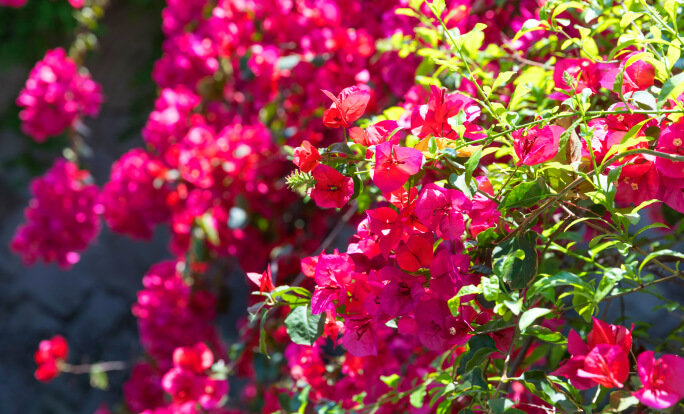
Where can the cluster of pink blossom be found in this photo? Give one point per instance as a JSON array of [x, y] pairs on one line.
[[56, 95], [391, 272], [63, 218], [604, 360], [171, 314], [135, 198], [236, 82], [643, 177]]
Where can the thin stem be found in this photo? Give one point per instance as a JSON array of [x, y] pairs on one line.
[[507, 181], [526, 223], [628, 292], [504, 371], [87, 368]]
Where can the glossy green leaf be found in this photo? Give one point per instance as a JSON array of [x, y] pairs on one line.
[[303, 327]]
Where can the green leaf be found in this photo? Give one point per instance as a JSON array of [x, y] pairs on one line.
[[653, 255], [622, 400], [610, 278], [673, 54], [500, 405], [303, 327], [98, 378], [460, 183], [564, 6], [545, 334], [208, 226], [472, 380], [559, 279], [628, 18], [672, 88], [539, 384], [526, 194], [418, 395], [455, 302], [530, 316], [479, 348], [471, 164], [292, 295], [490, 287], [502, 79], [392, 381], [340, 148], [520, 272], [494, 325]]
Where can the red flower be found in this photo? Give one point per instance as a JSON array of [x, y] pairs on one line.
[[49, 353], [347, 107], [662, 380], [602, 360], [441, 210], [433, 118], [263, 280], [607, 365], [536, 145], [394, 165], [306, 157], [416, 253], [332, 190], [197, 358], [638, 182], [375, 134]]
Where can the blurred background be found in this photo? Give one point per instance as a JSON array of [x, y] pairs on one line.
[[90, 303]]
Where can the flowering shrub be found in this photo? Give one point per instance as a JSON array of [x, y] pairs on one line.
[[494, 158]]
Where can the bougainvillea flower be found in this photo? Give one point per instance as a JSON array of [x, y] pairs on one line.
[[438, 329], [333, 275], [671, 141], [263, 280], [449, 273], [607, 365], [433, 118], [197, 358], [638, 76], [586, 73], [133, 200], [441, 210], [62, 219], [360, 338], [662, 380], [49, 353], [183, 385], [402, 294], [602, 360], [306, 157], [485, 213], [347, 107], [56, 95], [536, 145], [394, 165], [672, 192], [332, 190], [638, 182], [603, 138], [605, 333], [625, 122], [416, 253], [375, 134]]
